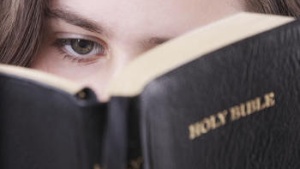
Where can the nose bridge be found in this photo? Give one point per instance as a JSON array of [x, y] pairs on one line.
[[122, 57]]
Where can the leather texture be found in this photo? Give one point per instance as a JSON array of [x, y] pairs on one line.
[[122, 145], [231, 76], [45, 128]]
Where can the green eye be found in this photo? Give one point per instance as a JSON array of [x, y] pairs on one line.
[[81, 46]]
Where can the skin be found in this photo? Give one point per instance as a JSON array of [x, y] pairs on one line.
[[121, 30]]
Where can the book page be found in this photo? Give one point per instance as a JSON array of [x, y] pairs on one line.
[[41, 77], [186, 48]]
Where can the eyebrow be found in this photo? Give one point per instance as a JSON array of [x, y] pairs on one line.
[[154, 41], [77, 20]]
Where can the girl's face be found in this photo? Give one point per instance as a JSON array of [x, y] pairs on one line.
[[90, 41]]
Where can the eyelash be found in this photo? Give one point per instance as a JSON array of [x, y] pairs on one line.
[[66, 47]]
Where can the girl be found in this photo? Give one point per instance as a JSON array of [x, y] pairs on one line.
[[90, 41]]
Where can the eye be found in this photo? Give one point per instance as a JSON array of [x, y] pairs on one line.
[[81, 49], [81, 46]]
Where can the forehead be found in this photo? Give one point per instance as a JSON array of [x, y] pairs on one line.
[[172, 16]]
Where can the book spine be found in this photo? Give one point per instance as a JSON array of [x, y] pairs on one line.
[[122, 148]]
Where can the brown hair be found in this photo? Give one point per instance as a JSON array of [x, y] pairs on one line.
[[21, 25], [279, 7], [20, 30]]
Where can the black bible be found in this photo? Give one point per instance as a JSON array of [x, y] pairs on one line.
[[222, 96]]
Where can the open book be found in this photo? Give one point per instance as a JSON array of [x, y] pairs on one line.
[[223, 96]]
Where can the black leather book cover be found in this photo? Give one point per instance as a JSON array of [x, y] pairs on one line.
[[236, 107], [42, 127]]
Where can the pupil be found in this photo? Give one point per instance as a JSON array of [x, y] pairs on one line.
[[82, 46], [83, 43]]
